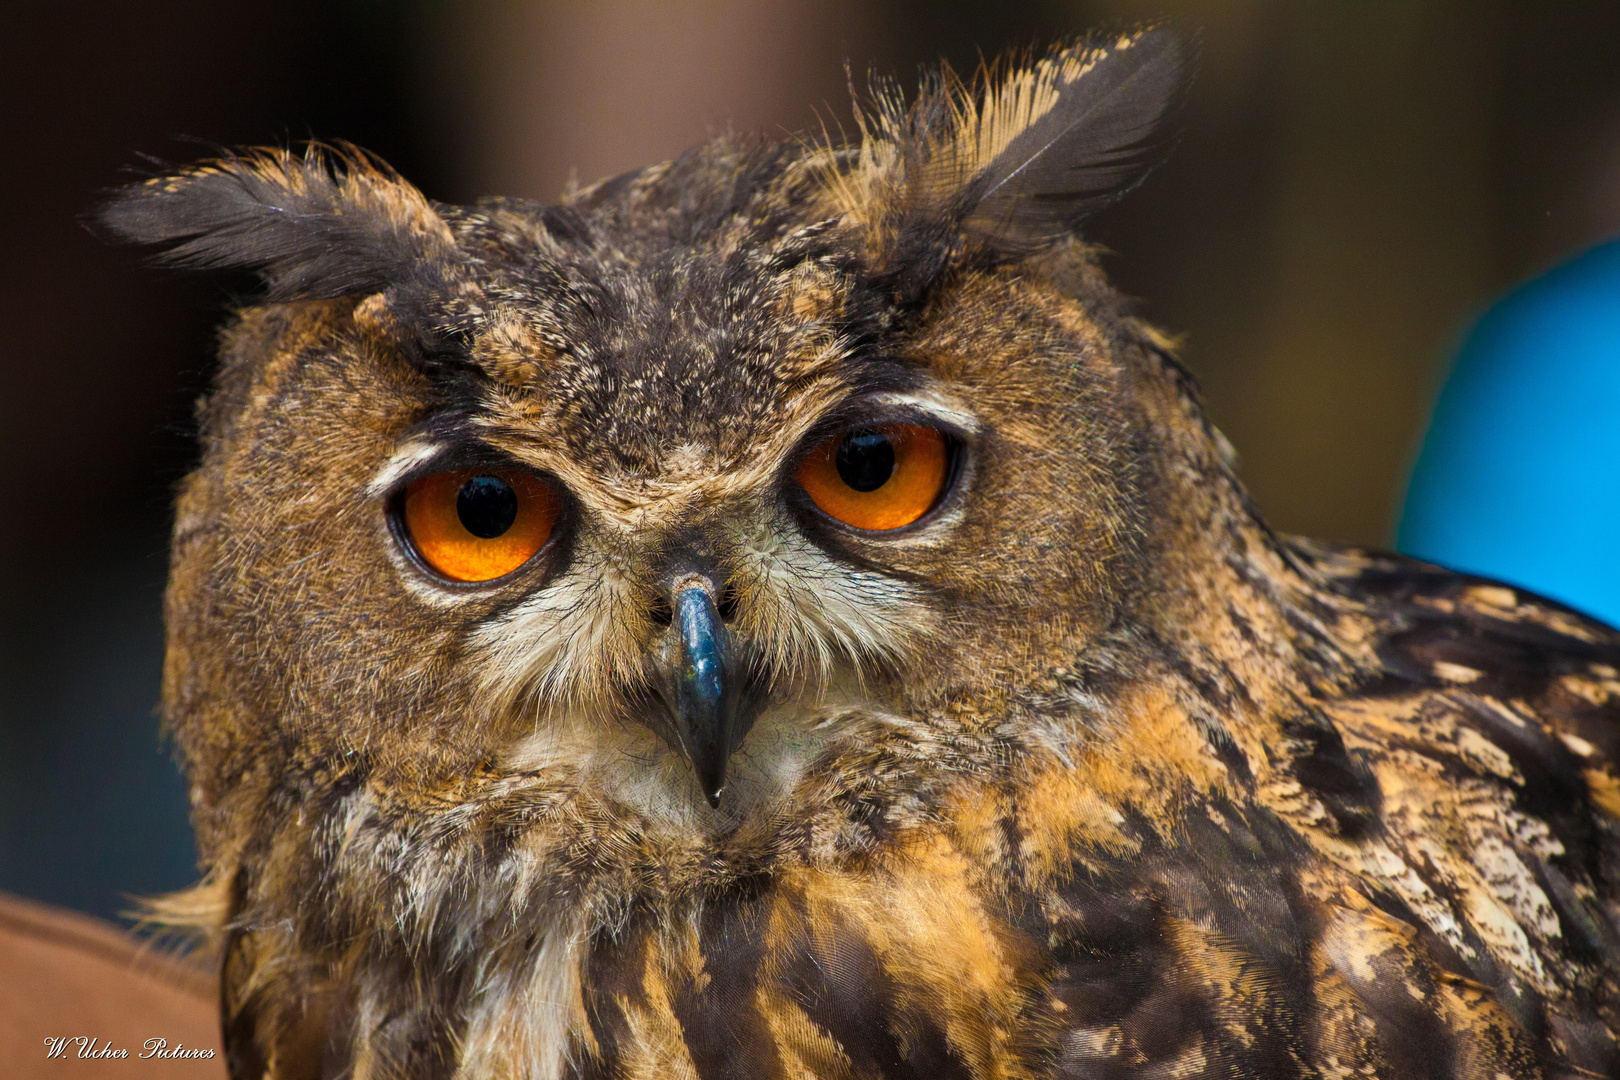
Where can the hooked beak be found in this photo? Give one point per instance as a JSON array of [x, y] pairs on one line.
[[703, 688]]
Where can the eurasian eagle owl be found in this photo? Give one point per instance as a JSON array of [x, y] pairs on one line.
[[778, 613]]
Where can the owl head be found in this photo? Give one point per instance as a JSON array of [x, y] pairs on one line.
[[547, 557]]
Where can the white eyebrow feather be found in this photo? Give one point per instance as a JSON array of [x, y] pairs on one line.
[[938, 405], [399, 463]]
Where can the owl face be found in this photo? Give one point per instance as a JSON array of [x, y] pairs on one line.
[[600, 538], [664, 523]]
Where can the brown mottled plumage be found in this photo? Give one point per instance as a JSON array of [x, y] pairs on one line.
[[1085, 773]]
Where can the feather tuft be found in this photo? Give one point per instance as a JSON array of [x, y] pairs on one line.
[[334, 221], [1017, 159], [1056, 142]]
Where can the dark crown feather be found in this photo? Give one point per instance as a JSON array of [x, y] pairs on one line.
[[330, 222]]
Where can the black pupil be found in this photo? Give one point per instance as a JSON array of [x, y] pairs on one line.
[[865, 460], [487, 506]]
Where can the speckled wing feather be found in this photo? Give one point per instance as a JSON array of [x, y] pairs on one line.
[[1493, 732]]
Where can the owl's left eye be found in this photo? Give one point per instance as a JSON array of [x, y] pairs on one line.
[[479, 524], [877, 478]]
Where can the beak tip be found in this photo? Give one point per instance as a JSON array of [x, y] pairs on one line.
[[703, 692], [713, 785]]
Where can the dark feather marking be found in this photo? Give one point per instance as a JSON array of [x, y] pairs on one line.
[[1590, 936], [1588, 1045], [1099, 139], [1227, 751], [1412, 588], [244, 1056], [1347, 789], [842, 986], [1509, 666], [1119, 962], [606, 191], [1554, 789], [1116, 966], [612, 973], [724, 1031], [1209, 678], [1411, 1037], [1252, 898]]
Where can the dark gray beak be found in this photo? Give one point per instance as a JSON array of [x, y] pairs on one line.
[[704, 689]]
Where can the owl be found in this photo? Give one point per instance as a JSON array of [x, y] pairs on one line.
[[780, 613]]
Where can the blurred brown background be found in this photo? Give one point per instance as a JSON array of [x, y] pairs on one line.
[[1355, 178]]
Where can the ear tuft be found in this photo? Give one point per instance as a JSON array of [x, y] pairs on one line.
[[1062, 139], [1019, 158], [334, 221]]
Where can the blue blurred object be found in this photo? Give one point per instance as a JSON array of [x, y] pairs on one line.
[[1519, 475]]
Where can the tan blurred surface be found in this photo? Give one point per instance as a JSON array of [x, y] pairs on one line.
[[64, 975], [546, 92]]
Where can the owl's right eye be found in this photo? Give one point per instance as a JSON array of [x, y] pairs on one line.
[[479, 524]]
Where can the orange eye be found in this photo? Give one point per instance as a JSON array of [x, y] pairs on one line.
[[477, 524], [877, 478]]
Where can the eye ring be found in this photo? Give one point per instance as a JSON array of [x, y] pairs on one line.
[[472, 526], [879, 477]]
